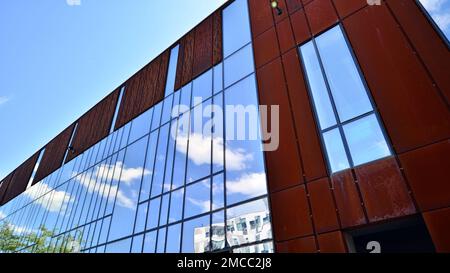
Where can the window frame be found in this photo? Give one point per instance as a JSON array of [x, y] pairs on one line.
[[340, 125]]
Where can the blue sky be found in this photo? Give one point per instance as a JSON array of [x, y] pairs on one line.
[[58, 60]]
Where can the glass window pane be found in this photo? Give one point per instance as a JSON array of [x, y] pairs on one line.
[[160, 247], [335, 151], [240, 229], [141, 217], [164, 210], [185, 100], [218, 192], [156, 120], [150, 242], [199, 151], [198, 198], [218, 231], [119, 247], [179, 165], [153, 213], [129, 186], [170, 156], [366, 140], [149, 164], [349, 92], [158, 171], [167, 109], [317, 86], [137, 244], [239, 65], [236, 27], [173, 239], [218, 78], [196, 235], [218, 133], [258, 248], [245, 171], [202, 87], [176, 205], [140, 126], [173, 61]]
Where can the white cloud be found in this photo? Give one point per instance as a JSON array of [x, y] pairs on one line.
[[439, 12], [2, 215], [252, 184]]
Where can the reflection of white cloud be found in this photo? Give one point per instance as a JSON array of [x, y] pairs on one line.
[[204, 205], [104, 173], [51, 201], [2, 215], [252, 184], [200, 151]]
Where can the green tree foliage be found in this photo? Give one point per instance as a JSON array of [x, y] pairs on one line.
[[37, 242]]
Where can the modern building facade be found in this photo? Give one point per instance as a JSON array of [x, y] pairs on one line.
[[358, 97]]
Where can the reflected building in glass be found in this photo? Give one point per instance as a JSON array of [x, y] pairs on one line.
[[357, 106]]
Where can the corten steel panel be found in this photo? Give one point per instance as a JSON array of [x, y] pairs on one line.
[[300, 245], [203, 49], [266, 47], [94, 125], [427, 171], [185, 60], [412, 110], [347, 200], [4, 186], [217, 37], [384, 190], [346, 7], [321, 15], [261, 17], [323, 207], [300, 27], [290, 214], [438, 224], [293, 5], [285, 35], [19, 181], [284, 167], [332, 242], [162, 78], [308, 139], [54, 154], [144, 89], [429, 45]]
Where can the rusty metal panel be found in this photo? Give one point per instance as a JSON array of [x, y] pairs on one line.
[[284, 167], [217, 37], [19, 181], [4, 186], [203, 49], [94, 125], [384, 191], [54, 154], [427, 172], [290, 214]]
